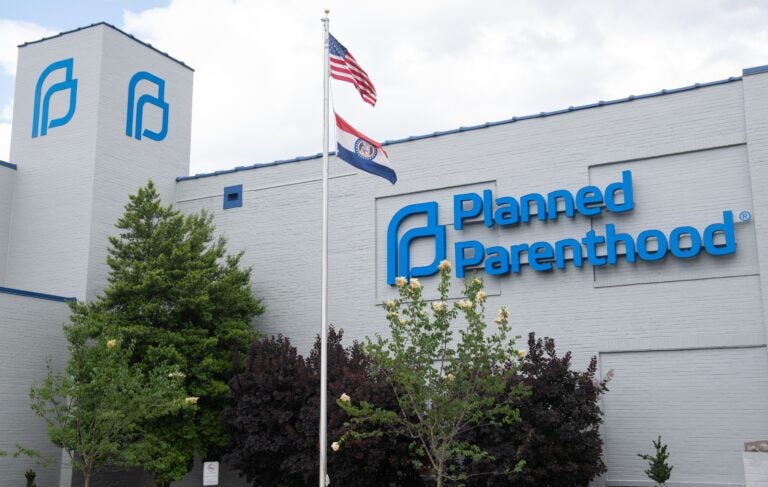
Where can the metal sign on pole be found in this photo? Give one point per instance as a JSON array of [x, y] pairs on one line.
[[210, 473]]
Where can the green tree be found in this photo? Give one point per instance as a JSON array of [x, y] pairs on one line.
[[30, 476], [658, 469], [182, 302], [444, 386], [100, 405]]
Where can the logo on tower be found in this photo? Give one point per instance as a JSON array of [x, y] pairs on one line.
[[399, 252], [134, 124], [41, 121]]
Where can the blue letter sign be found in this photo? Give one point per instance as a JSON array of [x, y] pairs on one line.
[[40, 122], [683, 242], [399, 254], [135, 119]]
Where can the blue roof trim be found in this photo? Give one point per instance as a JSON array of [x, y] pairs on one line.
[[31, 294], [411, 138], [754, 70], [254, 166], [118, 30], [8, 165]]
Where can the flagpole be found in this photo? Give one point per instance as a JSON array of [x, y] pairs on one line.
[[324, 286]]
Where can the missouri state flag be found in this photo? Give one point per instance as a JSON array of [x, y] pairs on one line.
[[362, 152]]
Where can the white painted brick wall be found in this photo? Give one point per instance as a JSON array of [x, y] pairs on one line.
[[50, 225], [31, 331], [756, 469], [124, 164], [74, 182], [7, 185], [678, 145]]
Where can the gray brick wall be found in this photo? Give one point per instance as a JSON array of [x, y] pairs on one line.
[[7, 185], [31, 332], [691, 154], [74, 182]]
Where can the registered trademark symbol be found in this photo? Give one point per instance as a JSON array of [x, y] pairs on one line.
[[745, 216]]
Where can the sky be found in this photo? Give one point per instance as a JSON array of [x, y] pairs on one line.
[[436, 65]]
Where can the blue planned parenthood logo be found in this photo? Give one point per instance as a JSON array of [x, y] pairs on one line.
[[134, 123], [595, 248], [399, 252], [41, 121]]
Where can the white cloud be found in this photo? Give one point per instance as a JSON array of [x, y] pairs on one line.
[[436, 65], [13, 33], [5, 141], [6, 113]]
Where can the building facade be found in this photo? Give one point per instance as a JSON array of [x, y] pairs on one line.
[[632, 230]]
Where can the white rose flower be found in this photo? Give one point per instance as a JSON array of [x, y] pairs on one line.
[[335, 446], [344, 398], [438, 305], [444, 265], [400, 281]]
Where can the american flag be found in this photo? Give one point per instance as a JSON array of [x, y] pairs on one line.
[[344, 67]]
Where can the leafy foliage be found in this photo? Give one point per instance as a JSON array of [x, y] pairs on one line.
[[99, 406], [273, 424], [658, 469], [265, 424], [30, 476], [181, 303], [444, 386], [558, 436]]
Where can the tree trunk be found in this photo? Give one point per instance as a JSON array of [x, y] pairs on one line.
[[87, 478], [440, 474]]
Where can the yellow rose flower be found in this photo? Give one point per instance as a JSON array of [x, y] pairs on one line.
[[191, 400], [400, 281], [438, 305], [111, 343]]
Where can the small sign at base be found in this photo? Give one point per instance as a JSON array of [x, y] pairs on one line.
[[210, 473]]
